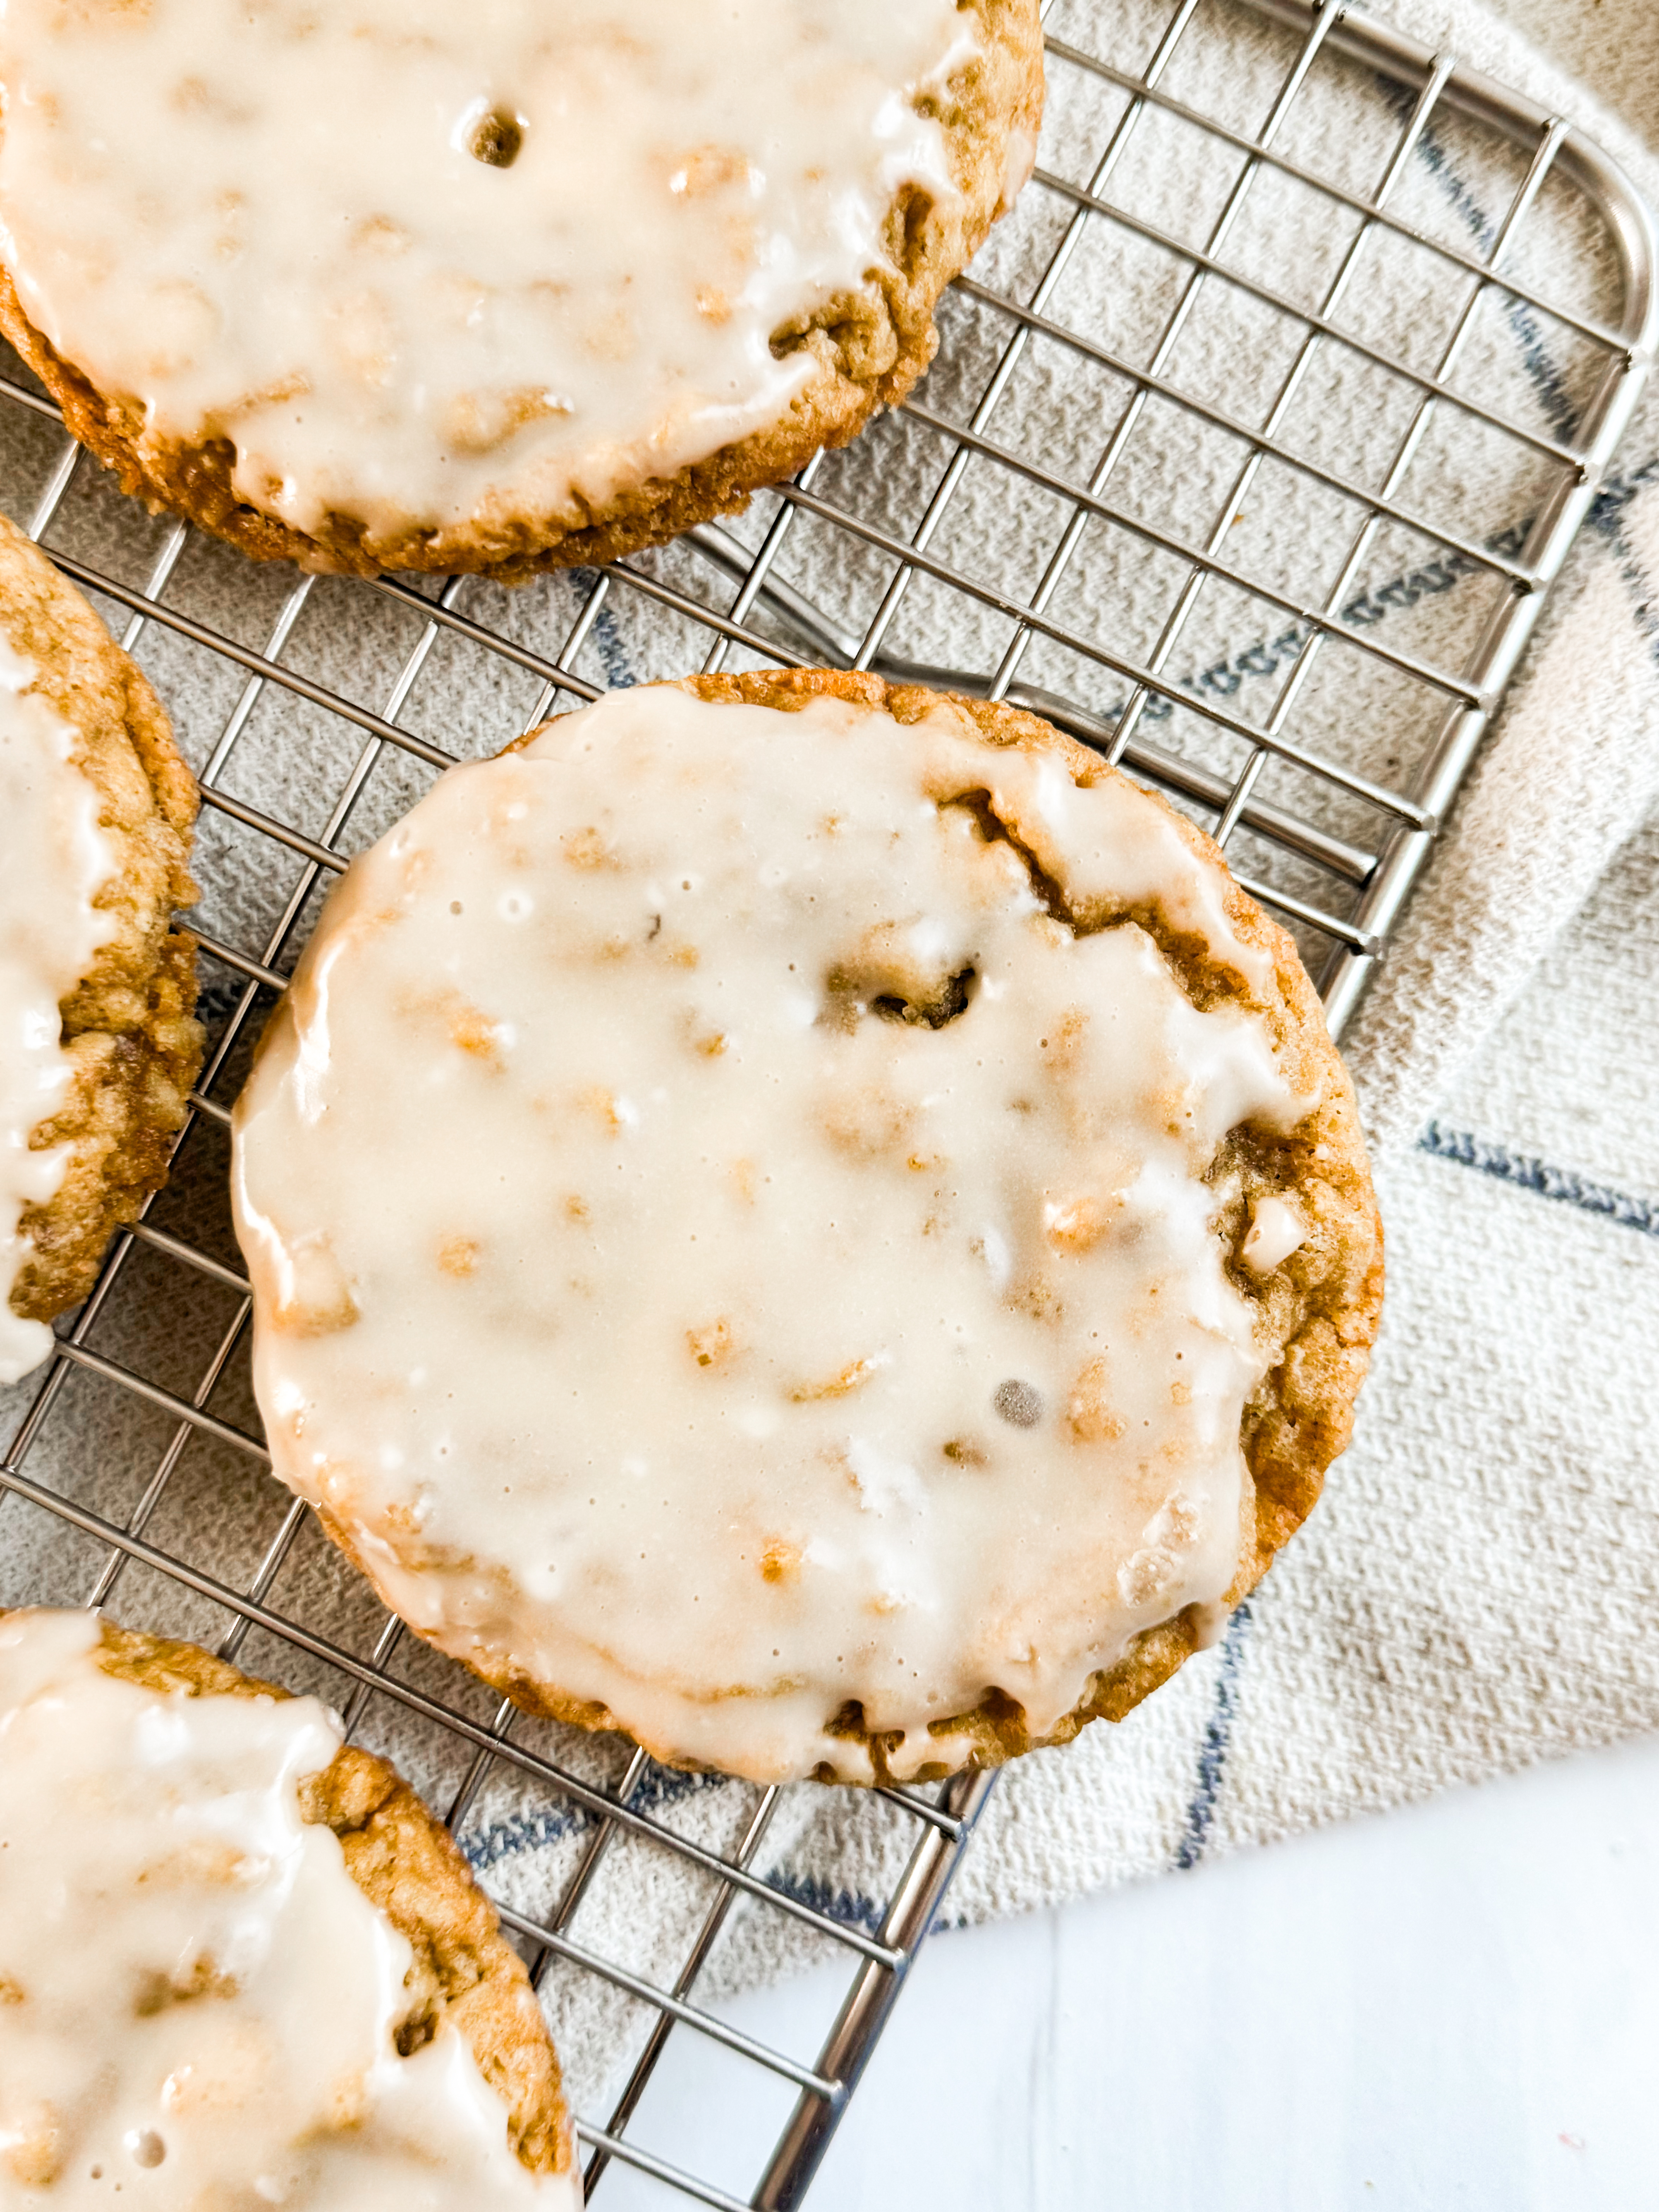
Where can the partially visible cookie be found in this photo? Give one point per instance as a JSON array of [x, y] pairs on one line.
[[392, 287], [234, 1949], [99, 1044]]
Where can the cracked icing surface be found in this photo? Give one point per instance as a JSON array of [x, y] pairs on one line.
[[427, 266], [198, 2005], [727, 1248]]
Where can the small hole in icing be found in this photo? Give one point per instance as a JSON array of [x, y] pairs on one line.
[[497, 139], [145, 2147], [953, 999]]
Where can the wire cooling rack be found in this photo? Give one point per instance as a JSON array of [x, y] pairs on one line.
[[1254, 443]]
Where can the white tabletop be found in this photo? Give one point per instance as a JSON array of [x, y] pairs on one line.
[[1456, 2005]]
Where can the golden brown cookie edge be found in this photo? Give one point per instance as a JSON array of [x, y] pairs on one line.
[[128, 1026]]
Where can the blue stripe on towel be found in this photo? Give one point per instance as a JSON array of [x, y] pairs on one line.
[[1543, 371], [1564, 1185], [607, 636], [659, 1786], [1217, 1737], [1616, 494], [849, 1907]]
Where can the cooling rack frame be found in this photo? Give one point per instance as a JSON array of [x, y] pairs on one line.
[[769, 616]]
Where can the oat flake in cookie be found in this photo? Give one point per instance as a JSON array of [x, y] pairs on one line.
[[99, 1044], [810, 1222], [404, 284], [240, 1965]]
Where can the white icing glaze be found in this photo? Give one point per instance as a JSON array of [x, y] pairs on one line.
[[265, 224], [657, 1318], [54, 860], [1276, 1230], [1018, 159], [196, 2001]]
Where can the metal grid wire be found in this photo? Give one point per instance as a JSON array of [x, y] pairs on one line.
[[1313, 830]]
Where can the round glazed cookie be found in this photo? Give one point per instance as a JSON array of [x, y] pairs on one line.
[[810, 1222], [394, 285], [99, 1044], [239, 1962]]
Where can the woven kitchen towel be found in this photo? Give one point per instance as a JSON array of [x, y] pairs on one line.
[[1476, 1589]]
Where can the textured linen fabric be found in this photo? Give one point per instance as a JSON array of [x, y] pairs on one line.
[[1475, 1591]]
